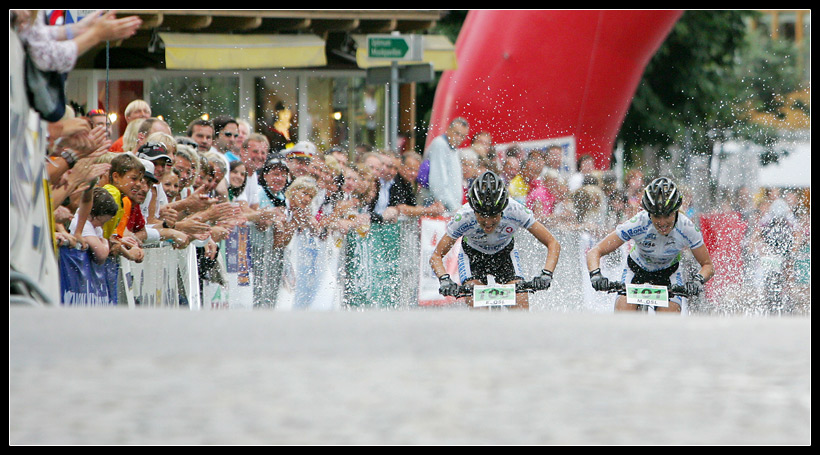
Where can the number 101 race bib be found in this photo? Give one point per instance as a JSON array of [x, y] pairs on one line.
[[647, 294], [496, 295]]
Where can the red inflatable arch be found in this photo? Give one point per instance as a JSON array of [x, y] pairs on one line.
[[538, 75]]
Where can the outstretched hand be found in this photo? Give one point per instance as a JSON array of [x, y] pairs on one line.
[[108, 27]]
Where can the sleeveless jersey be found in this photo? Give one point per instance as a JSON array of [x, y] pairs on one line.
[[464, 224], [653, 251]]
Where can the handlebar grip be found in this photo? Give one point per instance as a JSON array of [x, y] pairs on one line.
[[679, 291], [464, 290], [616, 286]]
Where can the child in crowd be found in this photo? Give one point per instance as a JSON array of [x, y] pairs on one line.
[[126, 173], [171, 184], [103, 208], [237, 179]]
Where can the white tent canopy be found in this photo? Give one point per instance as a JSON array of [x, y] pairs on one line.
[[793, 170], [739, 165]]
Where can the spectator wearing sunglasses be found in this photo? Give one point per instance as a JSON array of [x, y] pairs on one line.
[[226, 130]]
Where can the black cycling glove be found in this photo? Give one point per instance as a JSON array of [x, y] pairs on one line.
[[447, 287], [599, 282], [695, 286], [542, 281]]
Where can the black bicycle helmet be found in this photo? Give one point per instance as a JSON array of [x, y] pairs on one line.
[[488, 194], [661, 197]]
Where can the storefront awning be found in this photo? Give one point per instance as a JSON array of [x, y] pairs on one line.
[[438, 50], [225, 51]]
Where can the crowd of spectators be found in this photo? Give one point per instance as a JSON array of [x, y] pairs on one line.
[[182, 191], [116, 196]]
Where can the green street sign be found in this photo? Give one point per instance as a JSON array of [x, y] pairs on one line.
[[394, 47]]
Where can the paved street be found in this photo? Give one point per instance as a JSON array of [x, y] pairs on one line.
[[440, 376]]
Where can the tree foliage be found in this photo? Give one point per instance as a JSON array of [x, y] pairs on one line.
[[704, 82]]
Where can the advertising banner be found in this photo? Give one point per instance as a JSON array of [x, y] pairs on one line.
[[432, 230]]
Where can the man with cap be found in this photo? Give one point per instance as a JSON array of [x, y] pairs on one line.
[[154, 207], [150, 177], [145, 232], [298, 158], [169, 214], [157, 154], [139, 194]]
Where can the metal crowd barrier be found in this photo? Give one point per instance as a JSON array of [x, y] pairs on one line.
[[387, 267], [166, 277]]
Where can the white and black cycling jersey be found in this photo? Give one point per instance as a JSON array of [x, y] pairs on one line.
[[653, 251], [464, 224]]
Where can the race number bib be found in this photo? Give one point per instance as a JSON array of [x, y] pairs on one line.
[[494, 296], [647, 294]]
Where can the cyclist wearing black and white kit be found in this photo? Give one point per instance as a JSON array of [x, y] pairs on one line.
[[487, 225], [659, 234]]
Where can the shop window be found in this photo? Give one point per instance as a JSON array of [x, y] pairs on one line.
[[181, 99], [277, 115], [786, 25], [345, 112], [115, 100]]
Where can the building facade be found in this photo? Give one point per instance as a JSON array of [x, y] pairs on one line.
[[301, 73]]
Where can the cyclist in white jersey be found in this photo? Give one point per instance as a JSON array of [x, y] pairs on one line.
[[659, 234], [486, 225]]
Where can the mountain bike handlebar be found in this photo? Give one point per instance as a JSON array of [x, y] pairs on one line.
[[620, 288], [466, 290]]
